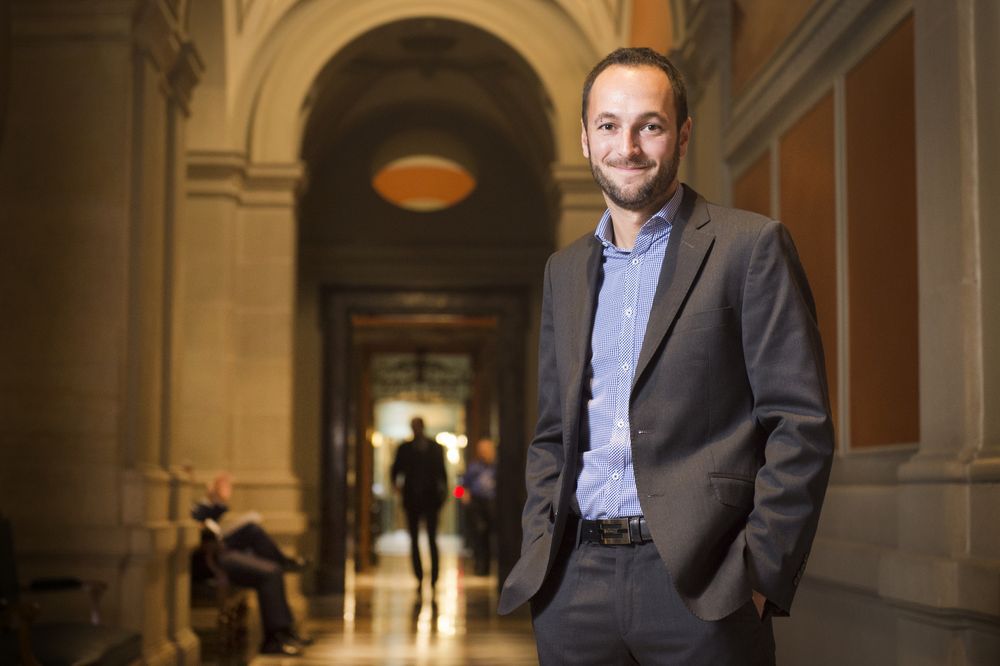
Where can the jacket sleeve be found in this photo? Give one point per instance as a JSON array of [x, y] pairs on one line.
[[785, 366], [545, 453]]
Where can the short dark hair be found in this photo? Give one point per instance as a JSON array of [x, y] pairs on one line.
[[640, 57]]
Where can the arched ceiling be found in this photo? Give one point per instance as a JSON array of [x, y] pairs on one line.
[[508, 208], [416, 65], [278, 70]]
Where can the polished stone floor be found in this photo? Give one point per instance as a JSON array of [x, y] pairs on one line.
[[384, 619]]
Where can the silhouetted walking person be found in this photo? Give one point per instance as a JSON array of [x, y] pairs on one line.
[[420, 461]]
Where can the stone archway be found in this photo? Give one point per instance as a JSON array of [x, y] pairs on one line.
[[246, 393], [417, 85]]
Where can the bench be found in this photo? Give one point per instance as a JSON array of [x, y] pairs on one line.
[[27, 641], [219, 617]]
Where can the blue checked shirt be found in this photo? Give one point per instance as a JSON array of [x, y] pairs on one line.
[[606, 485]]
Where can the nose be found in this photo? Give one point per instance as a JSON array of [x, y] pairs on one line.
[[630, 143]]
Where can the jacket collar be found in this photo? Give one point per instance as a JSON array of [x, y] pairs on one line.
[[690, 241]]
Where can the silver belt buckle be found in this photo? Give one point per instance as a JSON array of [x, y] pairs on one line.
[[614, 532]]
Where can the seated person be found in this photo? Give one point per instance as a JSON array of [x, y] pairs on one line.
[[248, 557]]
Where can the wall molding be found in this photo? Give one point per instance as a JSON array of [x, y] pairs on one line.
[[945, 587], [962, 591], [834, 36], [576, 189], [229, 174], [944, 467]]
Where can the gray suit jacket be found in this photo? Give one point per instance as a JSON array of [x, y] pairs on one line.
[[732, 438]]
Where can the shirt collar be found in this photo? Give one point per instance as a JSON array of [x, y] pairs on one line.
[[605, 231]]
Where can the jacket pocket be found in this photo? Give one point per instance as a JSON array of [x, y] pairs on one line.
[[733, 490]]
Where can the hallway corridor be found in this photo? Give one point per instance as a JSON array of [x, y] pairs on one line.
[[383, 620]]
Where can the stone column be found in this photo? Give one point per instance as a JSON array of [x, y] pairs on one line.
[[235, 297], [946, 567], [264, 271], [89, 186], [580, 203], [987, 57], [5, 48], [702, 58]]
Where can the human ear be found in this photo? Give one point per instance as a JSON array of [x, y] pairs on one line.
[[684, 136]]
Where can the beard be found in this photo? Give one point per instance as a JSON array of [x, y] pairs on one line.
[[638, 196]]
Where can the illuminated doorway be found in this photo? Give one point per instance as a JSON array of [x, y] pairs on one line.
[[388, 354], [438, 388]]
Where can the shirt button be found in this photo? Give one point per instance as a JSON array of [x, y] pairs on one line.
[[621, 423], [635, 262], [625, 366], [628, 312], [616, 476]]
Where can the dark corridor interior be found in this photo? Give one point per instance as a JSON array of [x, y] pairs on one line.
[[457, 358], [424, 224]]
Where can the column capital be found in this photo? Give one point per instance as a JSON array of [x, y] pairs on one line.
[[706, 42], [184, 76], [578, 201], [59, 19], [575, 187], [156, 27], [158, 31]]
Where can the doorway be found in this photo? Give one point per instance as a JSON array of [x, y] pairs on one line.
[[381, 519], [387, 354]]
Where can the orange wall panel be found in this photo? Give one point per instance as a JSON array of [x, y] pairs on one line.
[[752, 190], [882, 244], [808, 204], [652, 25]]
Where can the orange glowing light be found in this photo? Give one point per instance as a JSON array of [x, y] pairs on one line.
[[424, 183]]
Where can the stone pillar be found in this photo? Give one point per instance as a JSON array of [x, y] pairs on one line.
[[580, 203], [263, 324], [905, 560], [702, 58], [235, 308], [204, 347], [89, 186], [987, 57], [946, 565], [5, 48]]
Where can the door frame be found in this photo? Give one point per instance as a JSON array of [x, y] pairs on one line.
[[340, 420]]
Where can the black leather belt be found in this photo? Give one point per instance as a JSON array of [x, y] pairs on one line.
[[615, 531]]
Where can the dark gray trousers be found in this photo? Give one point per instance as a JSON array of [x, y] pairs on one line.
[[268, 579], [430, 518], [607, 605]]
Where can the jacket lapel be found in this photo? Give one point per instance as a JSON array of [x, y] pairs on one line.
[[583, 301], [686, 251]]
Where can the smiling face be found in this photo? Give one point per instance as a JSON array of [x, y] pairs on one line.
[[631, 137]]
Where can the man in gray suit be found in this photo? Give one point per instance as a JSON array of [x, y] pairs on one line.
[[684, 438]]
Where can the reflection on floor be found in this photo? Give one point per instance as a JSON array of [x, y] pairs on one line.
[[385, 620]]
